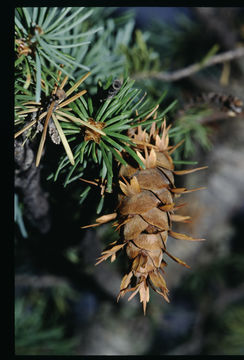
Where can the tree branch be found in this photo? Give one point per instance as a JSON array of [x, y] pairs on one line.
[[192, 69], [39, 282], [28, 181]]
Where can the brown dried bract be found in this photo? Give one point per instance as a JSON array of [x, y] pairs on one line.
[[91, 134]]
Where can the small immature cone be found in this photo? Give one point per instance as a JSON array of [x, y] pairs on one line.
[[145, 214]]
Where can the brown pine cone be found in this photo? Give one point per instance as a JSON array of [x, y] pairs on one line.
[[145, 214]]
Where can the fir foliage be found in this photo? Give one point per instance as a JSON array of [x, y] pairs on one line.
[[108, 70], [32, 335]]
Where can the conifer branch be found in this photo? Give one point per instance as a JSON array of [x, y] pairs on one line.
[[192, 69]]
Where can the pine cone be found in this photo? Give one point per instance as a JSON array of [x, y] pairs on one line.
[[145, 214]]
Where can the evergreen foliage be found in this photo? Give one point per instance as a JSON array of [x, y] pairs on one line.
[[84, 77], [33, 333]]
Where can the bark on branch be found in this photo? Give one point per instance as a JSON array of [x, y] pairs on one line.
[[192, 69], [28, 181]]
